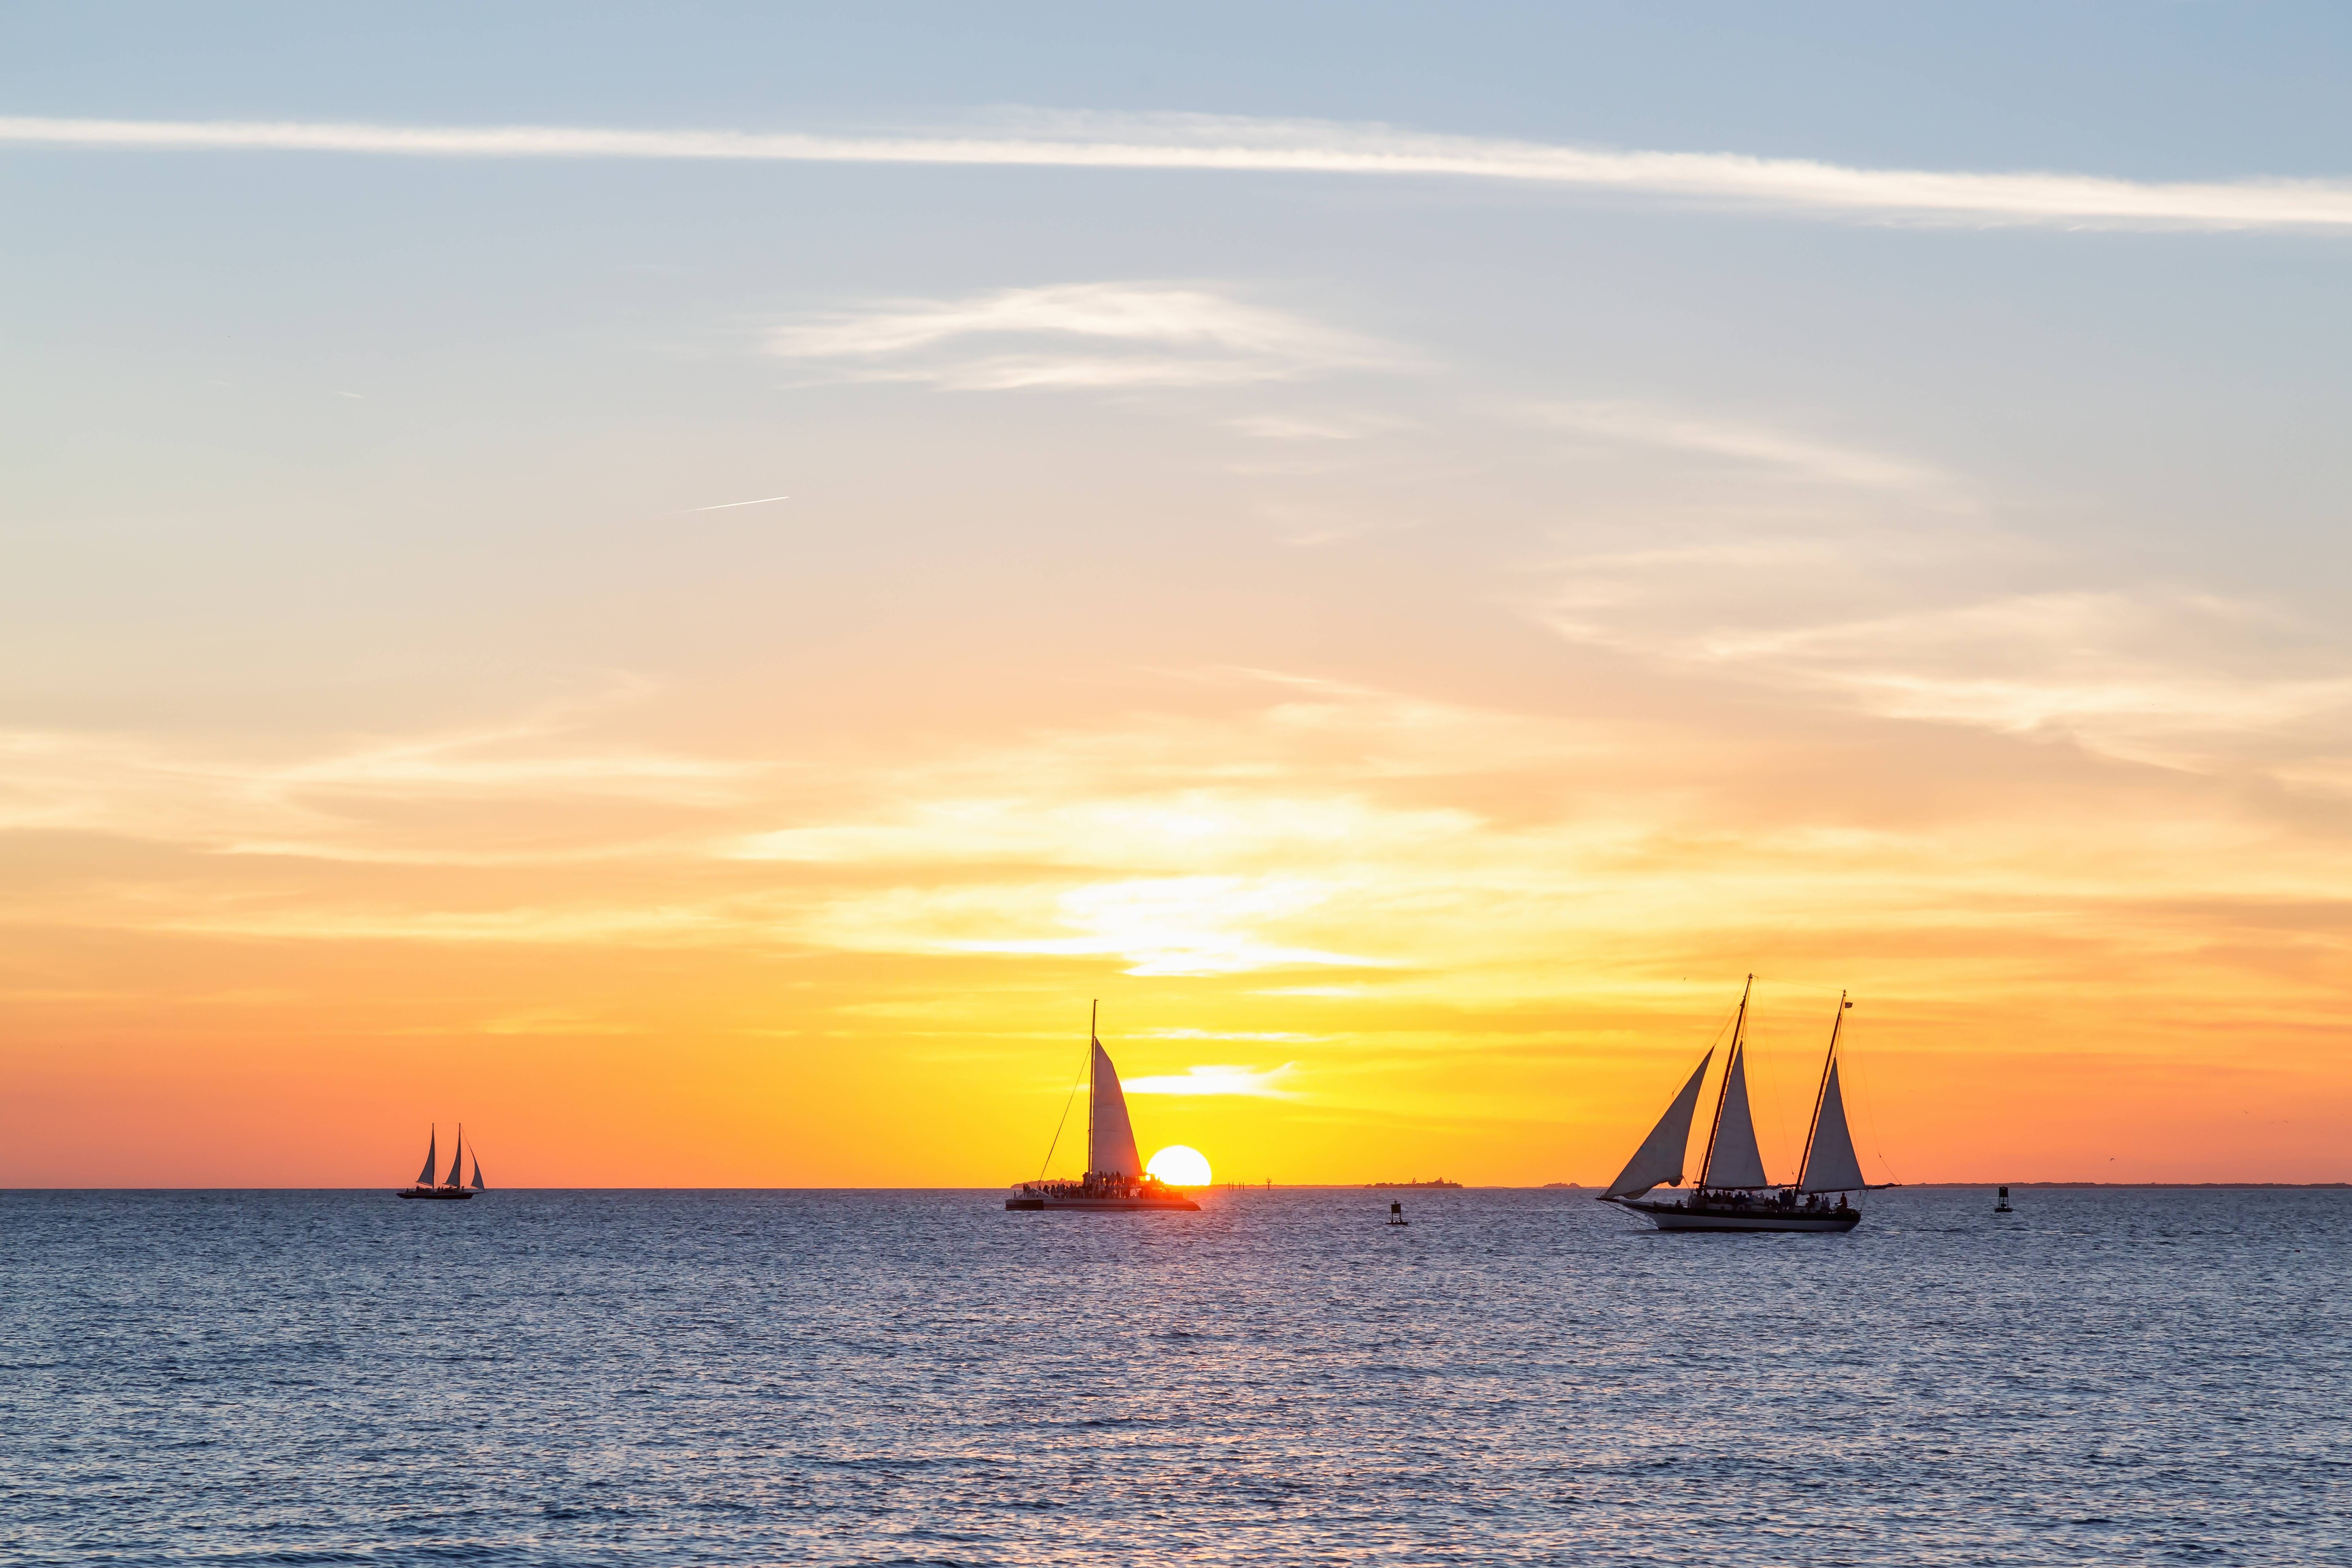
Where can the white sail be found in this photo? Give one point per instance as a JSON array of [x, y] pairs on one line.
[[1111, 1137], [1658, 1162], [1734, 1161], [1830, 1165], [432, 1146], [457, 1160]]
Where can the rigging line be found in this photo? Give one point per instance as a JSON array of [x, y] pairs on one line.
[[1829, 1064], [1067, 1101], [1770, 1083], [1862, 1095], [1806, 986], [1046, 1163]]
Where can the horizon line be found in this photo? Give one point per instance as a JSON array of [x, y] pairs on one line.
[[1214, 1186]]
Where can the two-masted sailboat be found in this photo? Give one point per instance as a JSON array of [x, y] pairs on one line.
[[449, 1187], [1115, 1180], [1733, 1192]]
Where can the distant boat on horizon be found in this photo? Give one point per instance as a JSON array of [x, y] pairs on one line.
[[1115, 1179], [1440, 1182], [449, 1188], [1733, 1192]]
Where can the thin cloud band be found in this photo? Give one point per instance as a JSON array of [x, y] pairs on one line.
[[1253, 146]]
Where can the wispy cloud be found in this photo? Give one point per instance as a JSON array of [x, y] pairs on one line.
[[1072, 335], [1256, 1083], [1154, 925], [553, 1021], [1279, 1035], [2157, 676], [334, 804], [1138, 825], [1280, 428], [1298, 146], [730, 505], [1469, 849], [1756, 446], [1960, 632], [1881, 584]]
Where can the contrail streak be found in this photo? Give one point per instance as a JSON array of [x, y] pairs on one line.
[[724, 505], [1271, 146]]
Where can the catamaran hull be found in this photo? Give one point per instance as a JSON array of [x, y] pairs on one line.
[[1099, 1206], [1667, 1217]]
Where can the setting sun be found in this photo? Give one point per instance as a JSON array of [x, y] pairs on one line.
[[1180, 1167]]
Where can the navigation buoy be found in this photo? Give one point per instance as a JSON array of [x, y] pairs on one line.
[[2002, 1206], [1396, 1214]]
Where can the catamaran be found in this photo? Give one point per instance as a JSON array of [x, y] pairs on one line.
[[449, 1187], [1733, 1192], [1115, 1179]]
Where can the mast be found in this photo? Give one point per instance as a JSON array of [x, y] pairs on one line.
[[1723, 1091], [1813, 1126], [1094, 1040]]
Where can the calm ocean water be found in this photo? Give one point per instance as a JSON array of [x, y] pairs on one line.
[[588, 1378]]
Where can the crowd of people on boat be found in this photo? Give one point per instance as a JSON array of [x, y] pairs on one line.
[[1785, 1199], [1097, 1184]]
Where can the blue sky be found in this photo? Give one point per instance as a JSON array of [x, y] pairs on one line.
[[2169, 91]]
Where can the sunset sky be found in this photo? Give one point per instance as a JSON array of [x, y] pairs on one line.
[[688, 587]]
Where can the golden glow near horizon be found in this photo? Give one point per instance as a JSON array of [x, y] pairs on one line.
[[1179, 1166], [1341, 931], [706, 667]]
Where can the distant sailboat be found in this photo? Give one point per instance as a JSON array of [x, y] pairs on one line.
[[451, 1186], [1115, 1178], [1733, 1192]]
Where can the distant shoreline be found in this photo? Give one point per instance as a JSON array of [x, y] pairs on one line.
[[2186, 1186]]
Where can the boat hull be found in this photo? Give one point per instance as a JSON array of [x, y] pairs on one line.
[[443, 1193], [1101, 1206], [1710, 1216]]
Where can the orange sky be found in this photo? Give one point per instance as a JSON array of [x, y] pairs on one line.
[[1423, 937]]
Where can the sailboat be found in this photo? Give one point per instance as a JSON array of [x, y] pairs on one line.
[[1733, 1192], [1115, 1180], [449, 1187]]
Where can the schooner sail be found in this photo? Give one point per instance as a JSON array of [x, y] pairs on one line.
[[1829, 1164], [1733, 1191], [1733, 1161], [448, 1186], [1658, 1162], [1115, 1178], [1110, 1136]]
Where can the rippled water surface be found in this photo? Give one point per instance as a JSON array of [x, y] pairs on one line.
[[586, 1378]]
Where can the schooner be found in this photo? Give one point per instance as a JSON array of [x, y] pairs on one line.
[[1115, 1180], [449, 1187], [1733, 1192]]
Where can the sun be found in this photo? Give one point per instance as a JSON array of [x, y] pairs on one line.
[[1180, 1167]]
